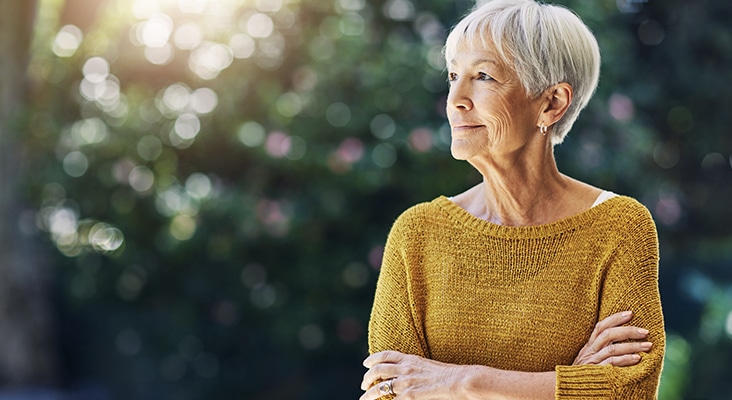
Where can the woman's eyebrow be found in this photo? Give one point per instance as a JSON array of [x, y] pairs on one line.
[[484, 61], [478, 62]]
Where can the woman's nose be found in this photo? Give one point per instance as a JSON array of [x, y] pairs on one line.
[[458, 96]]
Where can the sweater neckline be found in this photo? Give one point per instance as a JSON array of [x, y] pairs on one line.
[[472, 222]]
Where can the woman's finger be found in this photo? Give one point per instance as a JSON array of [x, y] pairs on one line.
[[611, 321], [617, 334], [371, 394], [378, 391], [622, 361], [618, 352], [616, 319], [379, 372], [382, 357]]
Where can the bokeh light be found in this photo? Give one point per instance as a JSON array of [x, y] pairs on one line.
[[384, 155], [95, 70], [666, 154], [289, 104], [351, 24], [156, 31], [259, 25], [67, 41], [209, 59], [198, 185], [105, 238], [182, 227], [176, 200], [89, 131], [141, 179], [242, 45], [203, 101], [621, 107], [263, 296], [159, 55], [298, 148], [311, 336], [75, 164], [383, 126], [400, 10], [421, 140], [145, 8], [188, 36], [251, 134], [269, 6], [350, 5], [278, 144], [338, 114], [149, 148], [630, 6], [651, 32], [187, 126], [192, 6]]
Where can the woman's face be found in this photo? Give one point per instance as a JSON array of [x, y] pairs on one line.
[[488, 108]]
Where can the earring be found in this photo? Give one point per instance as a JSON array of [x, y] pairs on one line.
[[543, 129]]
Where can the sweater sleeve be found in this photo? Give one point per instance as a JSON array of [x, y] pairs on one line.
[[631, 283], [393, 324]]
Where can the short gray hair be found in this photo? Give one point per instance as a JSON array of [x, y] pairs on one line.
[[546, 44]]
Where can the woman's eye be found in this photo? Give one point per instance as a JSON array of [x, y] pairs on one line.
[[482, 76]]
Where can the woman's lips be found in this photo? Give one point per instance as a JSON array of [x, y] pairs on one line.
[[465, 127]]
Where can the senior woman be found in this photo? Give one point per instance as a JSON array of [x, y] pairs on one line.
[[524, 285]]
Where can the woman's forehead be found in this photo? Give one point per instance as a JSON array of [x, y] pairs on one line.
[[471, 43], [475, 52]]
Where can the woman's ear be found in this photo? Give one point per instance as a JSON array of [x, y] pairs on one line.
[[559, 97]]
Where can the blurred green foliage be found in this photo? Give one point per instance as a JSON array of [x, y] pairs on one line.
[[217, 178]]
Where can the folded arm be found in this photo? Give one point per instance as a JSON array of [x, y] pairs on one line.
[[415, 377]]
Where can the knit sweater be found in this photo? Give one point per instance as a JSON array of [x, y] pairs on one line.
[[461, 290]]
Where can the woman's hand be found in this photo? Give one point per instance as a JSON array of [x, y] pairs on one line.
[[614, 344], [409, 377]]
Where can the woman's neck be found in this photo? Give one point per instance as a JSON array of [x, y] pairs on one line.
[[517, 192]]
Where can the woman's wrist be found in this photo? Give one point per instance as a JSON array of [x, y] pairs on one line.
[[473, 382], [480, 382]]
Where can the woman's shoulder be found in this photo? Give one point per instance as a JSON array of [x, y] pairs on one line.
[[432, 216], [422, 212], [624, 204], [625, 211]]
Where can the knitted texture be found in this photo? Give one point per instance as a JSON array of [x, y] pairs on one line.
[[461, 290]]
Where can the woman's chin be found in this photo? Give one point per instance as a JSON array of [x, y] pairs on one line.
[[460, 151]]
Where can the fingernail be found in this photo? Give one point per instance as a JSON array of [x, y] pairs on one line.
[[643, 331], [636, 357], [647, 345]]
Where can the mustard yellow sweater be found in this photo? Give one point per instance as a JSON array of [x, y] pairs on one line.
[[461, 290]]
